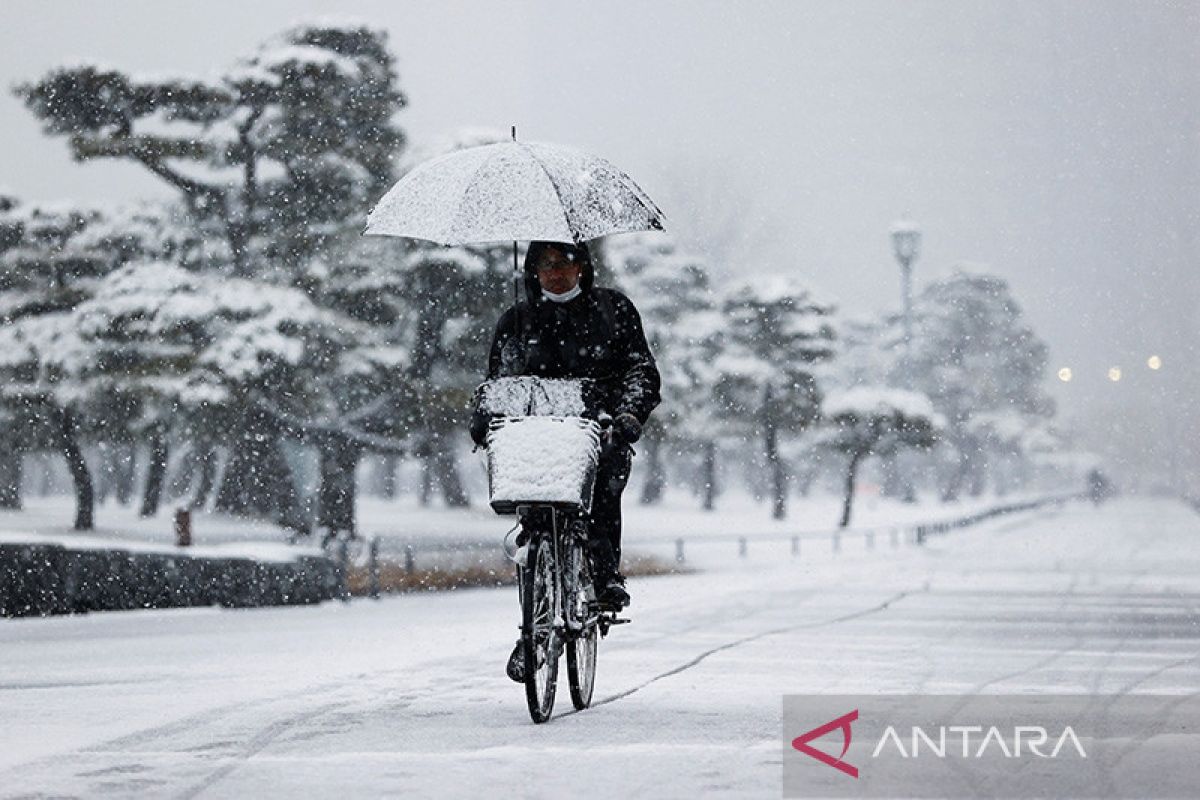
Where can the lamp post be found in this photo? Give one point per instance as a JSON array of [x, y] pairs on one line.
[[906, 243]]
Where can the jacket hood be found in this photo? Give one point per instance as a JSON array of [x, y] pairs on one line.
[[579, 252]]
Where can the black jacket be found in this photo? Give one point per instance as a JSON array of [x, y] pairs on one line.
[[596, 335]]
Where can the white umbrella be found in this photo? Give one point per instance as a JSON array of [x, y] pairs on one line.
[[514, 191]]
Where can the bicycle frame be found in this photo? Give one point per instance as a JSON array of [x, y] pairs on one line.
[[560, 530]]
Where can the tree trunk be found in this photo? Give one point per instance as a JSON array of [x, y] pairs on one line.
[[778, 471], [770, 428], [977, 471], [806, 476], [336, 495], [891, 483], [425, 491], [103, 484], [656, 478], [124, 470], [68, 442], [708, 475], [184, 474], [11, 462], [45, 473], [207, 457], [257, 479], [388, 464], [445, 464], [952, 487], [780, 489], [851, 477], [155, 473]]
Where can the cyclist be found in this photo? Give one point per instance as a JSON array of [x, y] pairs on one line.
[[570, 328]]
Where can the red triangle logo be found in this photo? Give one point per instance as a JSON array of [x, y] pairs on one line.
[[843, 722]]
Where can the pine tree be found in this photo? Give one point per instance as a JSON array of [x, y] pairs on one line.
[[868, 421], [973, 354], [274, 160], [671, 290], [777, 332], [52, 258]]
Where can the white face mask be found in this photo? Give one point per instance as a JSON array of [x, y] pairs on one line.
[[564, 297]]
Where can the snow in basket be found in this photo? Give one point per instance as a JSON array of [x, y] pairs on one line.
[[526, 395], [542, 460]]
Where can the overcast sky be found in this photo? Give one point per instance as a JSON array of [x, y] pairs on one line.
[[1057, 143]]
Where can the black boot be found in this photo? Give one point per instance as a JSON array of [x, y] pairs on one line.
[[612, 592], [516, 664]]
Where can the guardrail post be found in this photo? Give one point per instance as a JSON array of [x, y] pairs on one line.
[[183, 527], [742, 546], [373, 567], [679, 551], [920, 534], [795, 546], [410, 559]]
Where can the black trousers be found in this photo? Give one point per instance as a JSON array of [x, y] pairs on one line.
[[612, 474]]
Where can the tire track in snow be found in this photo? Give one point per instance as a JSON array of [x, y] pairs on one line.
[[259, 742], [744, 640]]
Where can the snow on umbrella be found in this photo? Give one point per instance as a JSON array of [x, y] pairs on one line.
[[514, 191]]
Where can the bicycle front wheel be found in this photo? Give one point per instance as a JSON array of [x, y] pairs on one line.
[[540, 638], [584, 646], [581, 666]]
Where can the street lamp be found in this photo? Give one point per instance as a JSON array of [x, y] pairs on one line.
[[906, 242]]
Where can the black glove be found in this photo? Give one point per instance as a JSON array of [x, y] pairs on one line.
[[626, 429], [479, 427]]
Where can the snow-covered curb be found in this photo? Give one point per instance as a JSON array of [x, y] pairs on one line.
[[259, 551], [41, 575]]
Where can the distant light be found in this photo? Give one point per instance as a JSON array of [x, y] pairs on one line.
[[1064, 374], [1114, 374], [1154, 362]]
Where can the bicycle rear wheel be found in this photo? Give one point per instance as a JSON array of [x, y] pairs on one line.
[[540, 639]]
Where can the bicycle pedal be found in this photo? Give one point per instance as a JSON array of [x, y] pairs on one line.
[[619, 621]]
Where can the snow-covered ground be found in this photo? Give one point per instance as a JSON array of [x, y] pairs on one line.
[[678, 515], [406, 696]]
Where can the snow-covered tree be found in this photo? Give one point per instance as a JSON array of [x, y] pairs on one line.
[[168, 349], [672, 292], [776, 332], [275, 154], [867, 421], [976, 359], [275, 160], [972, 354], [52, 258]]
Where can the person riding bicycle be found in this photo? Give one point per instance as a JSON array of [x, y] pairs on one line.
[[570, 328]]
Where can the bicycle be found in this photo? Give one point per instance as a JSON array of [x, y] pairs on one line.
[[559, 609]]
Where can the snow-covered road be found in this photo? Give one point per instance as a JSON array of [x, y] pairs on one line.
[[406, 696]]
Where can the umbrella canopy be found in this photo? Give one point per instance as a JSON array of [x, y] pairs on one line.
[[514, 191]]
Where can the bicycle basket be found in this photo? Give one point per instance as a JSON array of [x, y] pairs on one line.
[[542, 460]]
